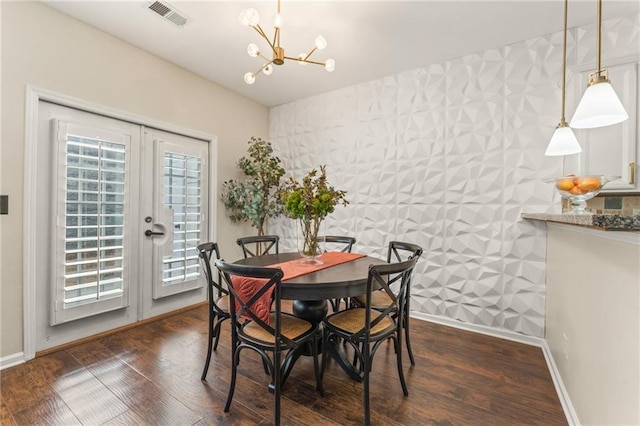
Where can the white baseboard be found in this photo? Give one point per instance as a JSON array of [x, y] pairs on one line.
[[567, 407], [11, 360]]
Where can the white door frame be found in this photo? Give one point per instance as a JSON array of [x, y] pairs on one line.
[[33, 96]]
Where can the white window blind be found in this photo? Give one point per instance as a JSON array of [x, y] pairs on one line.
[[182, 194], [92, 193]]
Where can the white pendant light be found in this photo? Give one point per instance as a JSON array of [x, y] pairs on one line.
[[563, 141], [599, 106]]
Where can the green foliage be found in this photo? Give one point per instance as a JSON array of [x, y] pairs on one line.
[[314, 199], [256, 198]]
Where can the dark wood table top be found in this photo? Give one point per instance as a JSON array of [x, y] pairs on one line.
[[339, 281]]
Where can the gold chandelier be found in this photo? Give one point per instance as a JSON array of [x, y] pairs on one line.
[[250, 18]]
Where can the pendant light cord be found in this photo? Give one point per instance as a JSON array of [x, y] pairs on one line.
[[598, 67], [564, 61]]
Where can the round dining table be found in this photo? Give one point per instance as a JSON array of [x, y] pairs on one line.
[[347, 279], [311, 291]]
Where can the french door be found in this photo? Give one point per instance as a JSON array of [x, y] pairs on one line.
[[124, 207]]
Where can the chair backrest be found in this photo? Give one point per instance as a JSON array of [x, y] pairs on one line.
[[258, 245], [338, 243], [380, 278], [252, 290], [207, 251], [399, 251]]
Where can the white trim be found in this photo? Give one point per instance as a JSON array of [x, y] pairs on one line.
[[11, 360], [629, 237], [563, 395], [33, 96]]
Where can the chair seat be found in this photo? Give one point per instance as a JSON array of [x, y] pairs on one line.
[[292, 327], [353, 320], [379, 299], [223, 303]]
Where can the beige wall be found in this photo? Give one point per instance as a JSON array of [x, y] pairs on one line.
[[49, 50], [593, 322]]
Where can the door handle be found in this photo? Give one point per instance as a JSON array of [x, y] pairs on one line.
[[150, 233]]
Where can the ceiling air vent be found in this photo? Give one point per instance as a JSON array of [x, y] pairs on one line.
[[168, 12]]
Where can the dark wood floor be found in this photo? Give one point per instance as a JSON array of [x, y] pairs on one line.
[[151, 375]]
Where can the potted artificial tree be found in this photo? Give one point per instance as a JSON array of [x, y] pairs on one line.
[[255, 199]]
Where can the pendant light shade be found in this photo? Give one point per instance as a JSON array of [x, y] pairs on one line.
[[599, 107], [563, 142]]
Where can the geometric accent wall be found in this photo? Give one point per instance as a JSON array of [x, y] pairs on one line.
[[447, 157]]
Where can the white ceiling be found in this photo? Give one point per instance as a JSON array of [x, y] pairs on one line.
[[368, 39]]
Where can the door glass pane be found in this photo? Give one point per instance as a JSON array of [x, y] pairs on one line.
[[182, 188], [93, 221]]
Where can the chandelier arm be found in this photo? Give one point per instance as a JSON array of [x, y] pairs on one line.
[[310, 53], [304, 60], [265, 58], [262, 67], [260, 31], [276, 38]]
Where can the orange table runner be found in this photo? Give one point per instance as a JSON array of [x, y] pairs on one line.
[[247, 287], [295, 268]]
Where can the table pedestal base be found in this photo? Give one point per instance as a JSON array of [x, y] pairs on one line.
[[313, 311]]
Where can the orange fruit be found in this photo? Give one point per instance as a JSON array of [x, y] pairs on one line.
[[565, 184], [576, 190], [588, 183]]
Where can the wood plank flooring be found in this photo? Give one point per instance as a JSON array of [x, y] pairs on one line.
[[150, 375]]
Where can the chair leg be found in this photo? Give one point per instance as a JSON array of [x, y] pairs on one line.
[[408, 339], [400, 369], [325, 351], [217, 333], [212, 317], [316, 367], [232, 386], [277, 380], [367, 368]]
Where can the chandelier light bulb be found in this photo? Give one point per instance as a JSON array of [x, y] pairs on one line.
[[253, 50], [301, 58], [321, 43], [249, 17], [267, 70], [330, 65], [278, 20], [249, 78]]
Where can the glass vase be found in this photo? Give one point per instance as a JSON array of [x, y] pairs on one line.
[[310, 238]]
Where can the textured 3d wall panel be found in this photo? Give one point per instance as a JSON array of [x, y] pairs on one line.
[[448, 157]]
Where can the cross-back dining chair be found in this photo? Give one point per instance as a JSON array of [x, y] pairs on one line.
[[258, 245], [365, 328], [398, 251], [268, 332], [341, 243], [218, 298]]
